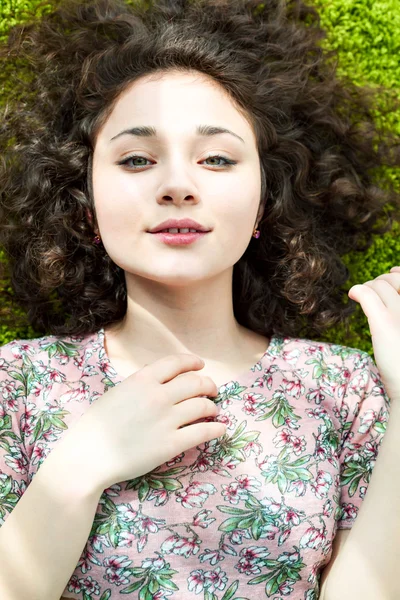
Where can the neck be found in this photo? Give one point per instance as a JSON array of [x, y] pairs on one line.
[[196, 319]]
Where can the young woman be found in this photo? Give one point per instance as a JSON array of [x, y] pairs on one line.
[[179, 184]]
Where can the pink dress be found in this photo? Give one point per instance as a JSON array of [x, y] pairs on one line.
[[250, 515]]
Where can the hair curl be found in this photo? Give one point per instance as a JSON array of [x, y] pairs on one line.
[[317, 141]]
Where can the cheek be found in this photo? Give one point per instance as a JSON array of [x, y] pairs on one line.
[[115, 202]]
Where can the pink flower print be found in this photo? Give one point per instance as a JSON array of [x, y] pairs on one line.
[[203, 463], [175, 459], [28, 421], [20, 349], [371, 450], [118, 570], [315, 396], [313, 538], [162, 594], [273, 507], [36, 388], [196, 581], [195, 494], [182, 546], [367, 419], [349, 512], [291, 356], [106, 368], [282, 438], [237, 535], [16, 461], [201, 519], [252, 448], [228, 462], [231, 493], [312, 578], [98, 541], [87, 557], [298, 487], [291, 423], [362, 491], [269, 531], [160, 497], [79, 360], [251, 405], [248, 483], [294, 388], [323, 483], [316, 413], [291, 517], [316, 351], [127, 514], [358, 384], [90, 586], [215, 580], [228, 549], [79, 394], [126, 538], [73, 585], [153, 564], [213, 556], [146, 524], [327, 509], [285, 589], [9, 392], [284, 536], [228, 418], [39, 453], [298, 444], [250, 559]]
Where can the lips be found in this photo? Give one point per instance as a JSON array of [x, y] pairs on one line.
[[179, 224]]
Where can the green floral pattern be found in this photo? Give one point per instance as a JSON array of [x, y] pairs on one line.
[[248, 516]]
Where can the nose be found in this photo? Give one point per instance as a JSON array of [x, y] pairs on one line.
[[178, 199], [178, 187]]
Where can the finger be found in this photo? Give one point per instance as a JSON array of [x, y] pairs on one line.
[[368, 298], [194, 435], [193, 410], [392, 278], [189, 385], [167, 368], [387, 293], [395, 270]]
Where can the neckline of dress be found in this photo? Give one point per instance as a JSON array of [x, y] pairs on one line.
[[241, 377]]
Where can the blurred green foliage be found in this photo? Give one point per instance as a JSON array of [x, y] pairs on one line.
[[366, 34]]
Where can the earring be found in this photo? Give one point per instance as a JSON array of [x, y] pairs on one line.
[[256, 233], [96, 240]]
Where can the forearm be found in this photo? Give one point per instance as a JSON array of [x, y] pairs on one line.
[[367, 567], [42, 539]]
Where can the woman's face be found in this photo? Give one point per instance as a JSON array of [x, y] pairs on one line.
[[176, 177]]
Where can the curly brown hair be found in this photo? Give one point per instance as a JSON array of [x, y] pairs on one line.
[[317, 138]]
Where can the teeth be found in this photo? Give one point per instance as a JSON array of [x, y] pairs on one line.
[[185, 230]]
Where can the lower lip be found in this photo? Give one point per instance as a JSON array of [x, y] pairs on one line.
[[179, 239]]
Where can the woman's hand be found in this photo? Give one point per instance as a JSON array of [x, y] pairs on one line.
[[380, 301]]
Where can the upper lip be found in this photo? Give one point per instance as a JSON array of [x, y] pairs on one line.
[[178, 224]]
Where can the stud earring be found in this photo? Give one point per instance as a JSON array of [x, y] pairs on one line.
[[96, 239], [256, 233]]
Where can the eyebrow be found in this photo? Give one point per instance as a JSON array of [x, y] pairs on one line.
[[202, 130]]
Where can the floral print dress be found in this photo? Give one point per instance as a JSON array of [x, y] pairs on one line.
[[250, 515]]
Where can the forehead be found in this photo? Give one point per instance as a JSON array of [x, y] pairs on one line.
[[176, 102]]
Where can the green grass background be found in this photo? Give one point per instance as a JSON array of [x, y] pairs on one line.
[[366, 34]]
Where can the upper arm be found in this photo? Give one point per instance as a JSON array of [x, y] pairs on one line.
[[338, 543]]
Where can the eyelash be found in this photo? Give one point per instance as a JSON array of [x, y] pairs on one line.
[[228, 164]]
